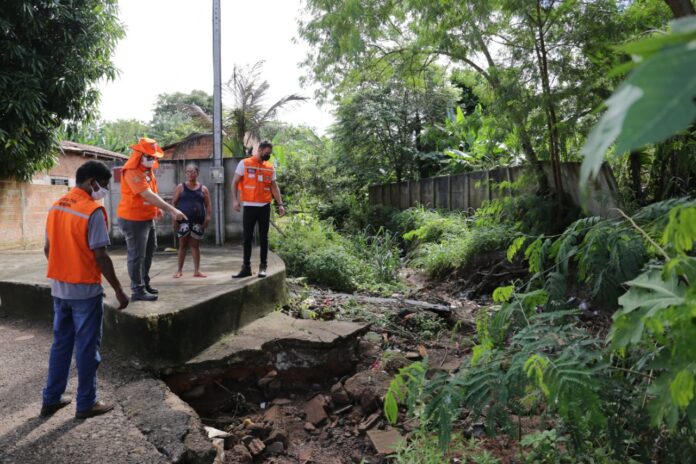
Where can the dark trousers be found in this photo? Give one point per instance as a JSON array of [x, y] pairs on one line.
[[251, 216], [141, 241]]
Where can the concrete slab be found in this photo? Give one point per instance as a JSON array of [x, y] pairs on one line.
[[299, 351], [190, 315], [277, 329]]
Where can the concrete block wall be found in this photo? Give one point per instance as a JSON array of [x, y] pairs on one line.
[[24, 210], [470, 190]]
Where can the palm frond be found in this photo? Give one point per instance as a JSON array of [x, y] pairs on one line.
[[196, 113], [273, 110]]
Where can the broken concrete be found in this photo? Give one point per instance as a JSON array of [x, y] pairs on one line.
[[190, 315], [299, 351], [148, 424], [385, 441], [169, 423], [314, 409]]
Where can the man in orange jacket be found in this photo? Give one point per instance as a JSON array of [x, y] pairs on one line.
[[256, 180], [139, 207], [76, 240]]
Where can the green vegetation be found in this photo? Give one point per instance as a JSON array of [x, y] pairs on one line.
[[626, 398], [51, 56], [589, 333], [314, 249]]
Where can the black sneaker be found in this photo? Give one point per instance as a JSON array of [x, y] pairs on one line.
[[149, 289], [262, 271], [245, 272], [142, 295]]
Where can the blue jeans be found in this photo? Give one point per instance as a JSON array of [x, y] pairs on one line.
[[78, 324]]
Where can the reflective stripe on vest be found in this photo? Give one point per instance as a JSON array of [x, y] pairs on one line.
[[132, 205], [69, 257], [257, 180]]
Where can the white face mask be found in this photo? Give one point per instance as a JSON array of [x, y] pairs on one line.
[[99, 194], [147, 162]]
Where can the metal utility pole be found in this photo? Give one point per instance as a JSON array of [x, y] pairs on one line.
[[217, 173]]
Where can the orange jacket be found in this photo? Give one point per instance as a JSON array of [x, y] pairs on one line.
[[69, 257], [132, 205], [256, 182]]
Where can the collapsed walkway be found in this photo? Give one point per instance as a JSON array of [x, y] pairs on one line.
[[190, 315], [199, 331]]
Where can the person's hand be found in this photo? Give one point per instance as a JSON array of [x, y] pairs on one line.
[[236, 205], [175, 225], [122, 299], [178, 215], [159, 215], [281, 210], [206, 222]]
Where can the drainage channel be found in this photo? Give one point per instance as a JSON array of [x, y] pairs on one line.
[[289, 400]]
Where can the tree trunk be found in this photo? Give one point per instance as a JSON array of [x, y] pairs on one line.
[[531, 156], [635, 168], [551, 119], [681, 8]]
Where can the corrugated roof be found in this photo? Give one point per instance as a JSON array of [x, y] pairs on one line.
[[189, 138], [87, 150]]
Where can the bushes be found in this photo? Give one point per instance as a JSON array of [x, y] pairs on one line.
[[454, 251], [444, 242], [603, 254], [312, 248], [334, 267]]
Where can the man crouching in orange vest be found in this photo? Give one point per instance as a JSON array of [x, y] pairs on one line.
[[139, 207], [255, 179], [76, 240]]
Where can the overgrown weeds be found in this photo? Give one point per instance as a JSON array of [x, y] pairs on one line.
[[315, 250], [629, 397]]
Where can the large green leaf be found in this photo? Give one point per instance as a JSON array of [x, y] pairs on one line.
[[668, 82], [607, 130], [651, 292], [653, 103]]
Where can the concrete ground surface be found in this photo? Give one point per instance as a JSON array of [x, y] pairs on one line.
[[148, 424], [191, 314]]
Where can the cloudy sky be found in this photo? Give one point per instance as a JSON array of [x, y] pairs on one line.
[[168, 48]]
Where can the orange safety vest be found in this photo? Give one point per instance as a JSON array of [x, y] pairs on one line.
[[256, 182], [133, 206], [69, 257]]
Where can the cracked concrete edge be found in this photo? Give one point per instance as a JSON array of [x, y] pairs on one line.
[[167, 422], [229, 353]]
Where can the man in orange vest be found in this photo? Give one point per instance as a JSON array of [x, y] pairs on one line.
[[256, 180], [76, 240], [139, 207]]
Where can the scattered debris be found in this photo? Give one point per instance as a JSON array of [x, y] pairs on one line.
[[219, 445], [314, 409], [385, 441], [215, 433], [370, 422], [256, 447], [337, 418], [242, 454]]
